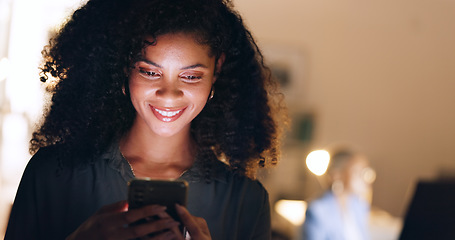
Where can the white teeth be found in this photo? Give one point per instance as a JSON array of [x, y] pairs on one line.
[[168, 113]]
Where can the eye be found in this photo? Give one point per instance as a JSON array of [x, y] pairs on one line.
[[148, 73], [191, 78]]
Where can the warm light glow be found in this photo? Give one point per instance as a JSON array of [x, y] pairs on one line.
[[4, 68], [14, 153], [292, 210], [369, 175], [318, 161]]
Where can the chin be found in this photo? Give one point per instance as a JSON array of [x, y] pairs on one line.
[[165, 133], [168, 132]]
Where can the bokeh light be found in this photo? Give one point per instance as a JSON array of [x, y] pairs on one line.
[[318, 161], [4, 68], [292, 210]]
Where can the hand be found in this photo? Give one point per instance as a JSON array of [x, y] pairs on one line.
[[196, 226], [113, 222]]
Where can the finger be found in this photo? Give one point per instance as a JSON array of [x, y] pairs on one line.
[[127, 229], [134, 215], [178, 233], [166, 236], [197, 227], [118, 222], [156, 226], [164, 214]]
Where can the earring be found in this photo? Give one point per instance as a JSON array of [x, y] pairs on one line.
[[212, 93], [123, 90]]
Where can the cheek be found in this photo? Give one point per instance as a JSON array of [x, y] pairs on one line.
[[139, 91], [198, 94]]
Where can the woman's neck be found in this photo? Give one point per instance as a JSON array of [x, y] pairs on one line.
[[156, 156]]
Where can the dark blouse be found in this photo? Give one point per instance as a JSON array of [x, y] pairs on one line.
[[53, 200]]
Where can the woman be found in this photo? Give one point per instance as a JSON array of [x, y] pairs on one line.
[[151, 88]]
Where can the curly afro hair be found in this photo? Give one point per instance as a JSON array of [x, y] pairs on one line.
[[89, 59]]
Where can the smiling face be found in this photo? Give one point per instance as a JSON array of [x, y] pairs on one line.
[[169, 86]]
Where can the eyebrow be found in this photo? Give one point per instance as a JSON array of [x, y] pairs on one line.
[[183, 68]]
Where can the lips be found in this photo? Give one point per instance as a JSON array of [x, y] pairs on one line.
[[167, 115]]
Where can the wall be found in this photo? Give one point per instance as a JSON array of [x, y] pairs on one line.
[[378, 75]]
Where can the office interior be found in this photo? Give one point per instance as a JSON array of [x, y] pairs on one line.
[[375, 75]]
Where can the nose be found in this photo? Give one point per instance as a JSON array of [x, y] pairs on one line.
[[169, 89]]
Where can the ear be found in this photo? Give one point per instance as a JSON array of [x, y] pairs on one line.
[[127, 71], [125, 87], [218, 65]]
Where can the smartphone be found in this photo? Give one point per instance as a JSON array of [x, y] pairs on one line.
[[142, 192]]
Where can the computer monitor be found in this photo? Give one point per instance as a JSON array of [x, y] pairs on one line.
[[431, 212]]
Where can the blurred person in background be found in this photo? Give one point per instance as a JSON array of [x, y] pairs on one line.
[[342, 212]]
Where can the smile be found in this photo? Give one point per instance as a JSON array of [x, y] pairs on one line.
[[167, 115]]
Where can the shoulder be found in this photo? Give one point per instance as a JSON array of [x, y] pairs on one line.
[[323, 198], [249, 189], [323, 203], [43, 169], [53, 162], [228, 181], [45, 158], [227, 175]]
